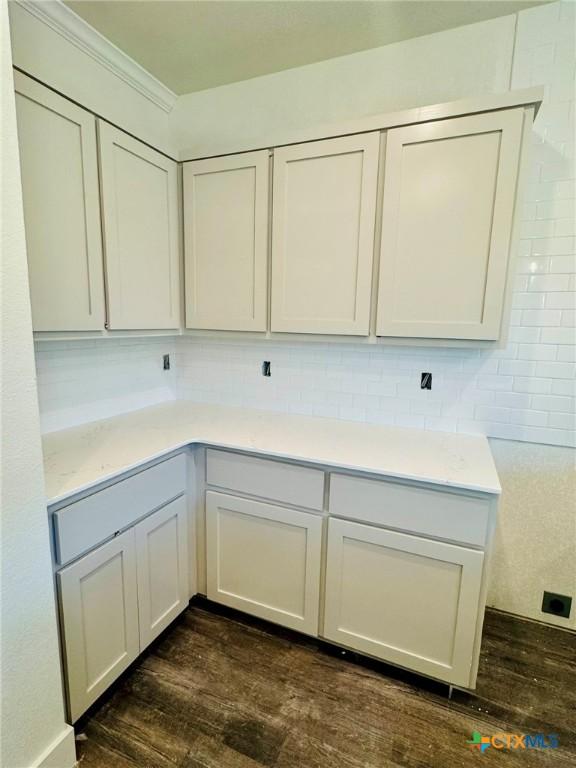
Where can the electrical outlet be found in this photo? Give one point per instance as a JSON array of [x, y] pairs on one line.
[[557, 605], [166, 362], [266, 371], [425, 381]]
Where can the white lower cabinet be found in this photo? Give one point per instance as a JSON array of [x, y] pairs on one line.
[[264, 560], [116, 599], [99, 604], [408, 600], [162, 561]]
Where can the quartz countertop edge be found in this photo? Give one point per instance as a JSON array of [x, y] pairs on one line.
[[83, 457]]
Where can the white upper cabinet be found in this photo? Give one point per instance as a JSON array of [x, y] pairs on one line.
[[140, 224], [226, 242], [449, 198], [323, 235], [61, 208]]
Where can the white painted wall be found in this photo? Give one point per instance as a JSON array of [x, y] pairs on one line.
[[49, 56], [455, 64], [31, 692]]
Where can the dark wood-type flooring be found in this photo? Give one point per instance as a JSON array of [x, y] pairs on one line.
[[220, 690]]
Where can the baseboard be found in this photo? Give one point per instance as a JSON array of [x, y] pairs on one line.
[[61, 753]]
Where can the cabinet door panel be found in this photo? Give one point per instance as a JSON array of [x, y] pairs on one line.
[[98, 600], [59, 166], [162, 555], [226, 242], [264, 560], [403, 599], [449, 196], [323, 235], [140, 213]]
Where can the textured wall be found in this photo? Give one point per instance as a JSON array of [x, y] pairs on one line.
[[31, 692], [536, 537]]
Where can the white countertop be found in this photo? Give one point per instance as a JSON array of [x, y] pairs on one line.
[[79, 458]]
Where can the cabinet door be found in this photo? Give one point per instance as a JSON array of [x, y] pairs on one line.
[[449, 196], [140, 214], [264, 560], [323, 235], [410, 601], [99, 608], [226, 242], [162, 557], [59, 165]]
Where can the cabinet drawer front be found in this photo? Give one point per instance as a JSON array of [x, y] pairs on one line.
[[406, 600], [409, 508], [84, 524], [274, 480], [264, 560], [98, 603]]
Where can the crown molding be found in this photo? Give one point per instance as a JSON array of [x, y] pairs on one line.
[[70, 26]]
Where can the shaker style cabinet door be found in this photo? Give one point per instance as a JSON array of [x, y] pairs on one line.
[[99, 609], [324, 202], [140, 218], [162, 557], [226, 242], [404, 599], [449, 197], [59, 163], [264, 560]]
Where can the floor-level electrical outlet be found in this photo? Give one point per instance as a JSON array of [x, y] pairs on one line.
[[557, 605]]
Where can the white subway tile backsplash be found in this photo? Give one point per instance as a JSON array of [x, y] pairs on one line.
[[558, 336]]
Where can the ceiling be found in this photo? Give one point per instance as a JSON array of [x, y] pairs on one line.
[[190, 45]]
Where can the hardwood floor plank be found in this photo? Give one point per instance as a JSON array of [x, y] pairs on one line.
[[219, 690]]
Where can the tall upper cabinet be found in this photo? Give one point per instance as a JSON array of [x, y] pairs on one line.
[[102, 220], [226, 242], [449, 195], [140, 225], [323, 235], [62, 215]]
